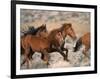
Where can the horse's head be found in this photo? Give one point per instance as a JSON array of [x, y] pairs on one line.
[[42, 31], [68, 30]]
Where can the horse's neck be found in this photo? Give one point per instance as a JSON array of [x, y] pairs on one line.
[[49, 38], [63, 34], [53, 41]]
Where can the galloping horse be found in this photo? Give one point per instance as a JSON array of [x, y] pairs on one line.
[[65, 30], [39, 44], [40, 31], [84, 40]]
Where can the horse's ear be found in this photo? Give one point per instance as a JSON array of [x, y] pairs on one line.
[[67, 24], [59, 33], [44, 25]]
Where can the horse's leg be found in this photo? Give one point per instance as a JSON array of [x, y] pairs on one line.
[[23, 62], [31, 54], [45, 57], [22, 50], [30, 58], [85, 51], [26, 59], [61, 52], [65, 49], [42, 56], [66, 56]]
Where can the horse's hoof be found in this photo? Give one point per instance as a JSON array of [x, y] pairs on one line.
[[67, 59]]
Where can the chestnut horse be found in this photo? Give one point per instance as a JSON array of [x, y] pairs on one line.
[[40, 44], [84, 40], [40, 31]]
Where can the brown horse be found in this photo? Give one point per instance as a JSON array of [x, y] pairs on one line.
[[53, 42], [66, 29], [39, 44], [84, 40], [40, 31]]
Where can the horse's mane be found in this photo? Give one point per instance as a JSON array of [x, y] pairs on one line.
[[52, 33], [51, 37], [65, 25], [33, 30], [41, 28]]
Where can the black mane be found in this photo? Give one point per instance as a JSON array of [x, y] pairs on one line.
[[33, 30]]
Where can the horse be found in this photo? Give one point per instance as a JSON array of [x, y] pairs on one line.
[[40, 31], [53, 42], [84, 40], [66, 29], [39, 44]]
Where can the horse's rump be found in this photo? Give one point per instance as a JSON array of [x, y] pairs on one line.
[[84, 40]]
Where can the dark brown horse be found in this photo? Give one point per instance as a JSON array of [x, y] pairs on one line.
[[84, 40], [66, 29], [53, 42]]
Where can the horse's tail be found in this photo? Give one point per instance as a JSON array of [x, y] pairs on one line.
[[31, 30], [78, 45]]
